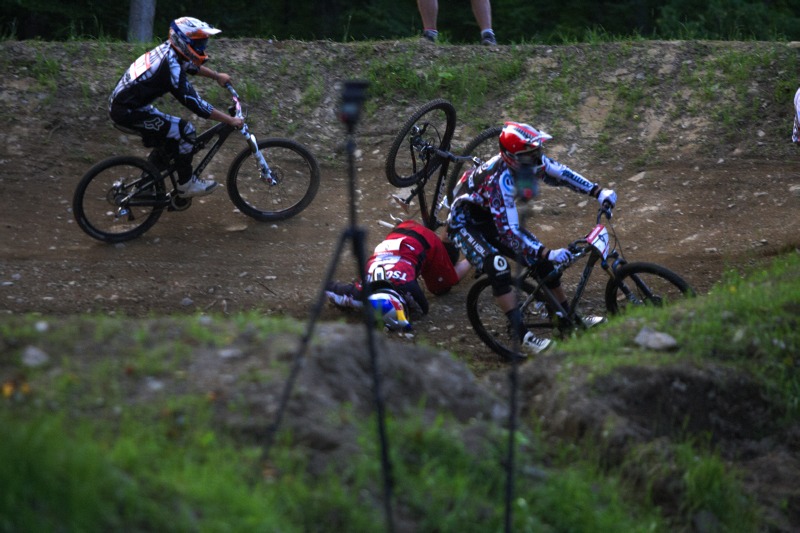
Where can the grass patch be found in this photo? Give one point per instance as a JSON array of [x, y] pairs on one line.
[[464, 83], [93, 453]]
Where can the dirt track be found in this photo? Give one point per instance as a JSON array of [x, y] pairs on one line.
[[695, 211]]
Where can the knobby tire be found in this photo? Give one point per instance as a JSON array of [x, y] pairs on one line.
[[651, 284], [484, 146], [491, 324], [94, 201], [404, 171], [298, 178]]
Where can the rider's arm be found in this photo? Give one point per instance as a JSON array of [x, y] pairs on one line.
[[561, 175], [219, 116], [219, 77], [506, 219], [187, 95]]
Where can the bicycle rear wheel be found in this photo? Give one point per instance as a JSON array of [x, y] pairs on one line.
[[491, 324], [483, 146], [432, 125], [645, 284], [297, 174], [119, 199]]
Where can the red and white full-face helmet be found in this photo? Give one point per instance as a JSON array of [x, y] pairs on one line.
[[391, 308], [519, 142], [189, 37]]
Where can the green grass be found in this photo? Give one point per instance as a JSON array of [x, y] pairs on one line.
[[465, 83], [88, 458], [748, 322]]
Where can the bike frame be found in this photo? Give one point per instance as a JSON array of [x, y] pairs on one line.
[[596, 248], [218, 133], [430, 216]]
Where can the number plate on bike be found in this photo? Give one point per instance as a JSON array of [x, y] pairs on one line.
[[599, 239]]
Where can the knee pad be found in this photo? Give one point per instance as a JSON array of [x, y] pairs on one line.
[[499, 272], [188, 136]]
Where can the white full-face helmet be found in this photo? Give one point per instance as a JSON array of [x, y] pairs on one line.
[[189, 37]]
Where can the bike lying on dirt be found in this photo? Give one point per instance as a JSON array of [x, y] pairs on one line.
[[418, 152], [629, 284], [119, 199]]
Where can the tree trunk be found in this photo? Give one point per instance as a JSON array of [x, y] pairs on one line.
[[140, 20]]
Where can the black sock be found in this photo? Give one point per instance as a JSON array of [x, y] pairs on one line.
[[515, 319]]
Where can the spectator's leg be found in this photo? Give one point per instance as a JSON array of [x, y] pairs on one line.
[[482, 9], [429, 11]]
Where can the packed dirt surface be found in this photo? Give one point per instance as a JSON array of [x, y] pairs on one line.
[[693, 195], [706, 185]]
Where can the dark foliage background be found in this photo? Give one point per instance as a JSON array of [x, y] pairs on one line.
[[346, 20]]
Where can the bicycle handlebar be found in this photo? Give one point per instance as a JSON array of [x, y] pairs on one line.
[[266, 173], [457, 158], [236, 102], [425, 147], [605, 209]]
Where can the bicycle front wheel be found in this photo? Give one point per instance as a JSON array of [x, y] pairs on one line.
[[645, 284], [294, 168], [484, 146], [119, 199], [492, 325], [432, 125]]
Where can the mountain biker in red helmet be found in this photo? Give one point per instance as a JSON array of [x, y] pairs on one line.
[[410, 251], [161, 70], [484, 222]]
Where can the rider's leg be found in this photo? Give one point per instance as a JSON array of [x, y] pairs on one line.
[[485, 257], [560, 296], [183, 132]]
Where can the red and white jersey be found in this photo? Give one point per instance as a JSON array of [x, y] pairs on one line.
[[410, 251]]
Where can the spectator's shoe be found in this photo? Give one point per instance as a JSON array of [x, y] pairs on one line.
[[430, 36], [535, 345], [488, 38], [196, 187]]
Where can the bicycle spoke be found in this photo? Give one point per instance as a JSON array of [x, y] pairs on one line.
[[296, 180], [410, 157], [113, 203], [645, 284]]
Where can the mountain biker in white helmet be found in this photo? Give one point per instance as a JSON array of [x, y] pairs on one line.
[[484, 222], [161, 70]]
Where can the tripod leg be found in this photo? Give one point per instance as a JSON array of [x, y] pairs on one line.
[[358, 235], [304, 342]]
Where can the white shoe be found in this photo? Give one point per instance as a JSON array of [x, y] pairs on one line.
[[534, 344], [196, 187], [342, 300], [592, 320]]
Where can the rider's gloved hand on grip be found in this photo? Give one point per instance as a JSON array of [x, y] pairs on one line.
[[562, 255], [607, 195]]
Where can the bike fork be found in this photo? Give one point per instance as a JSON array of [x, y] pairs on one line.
[[266, 172]]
